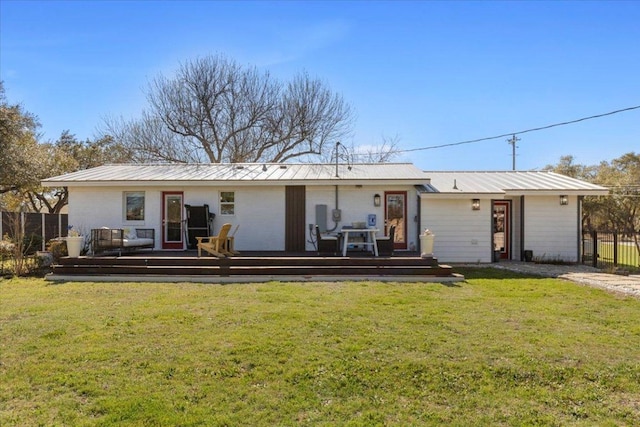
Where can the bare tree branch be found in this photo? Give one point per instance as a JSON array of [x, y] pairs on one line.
[[215, 110]]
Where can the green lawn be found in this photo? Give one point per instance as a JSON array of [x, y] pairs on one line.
[[498, 349], [627, 254]]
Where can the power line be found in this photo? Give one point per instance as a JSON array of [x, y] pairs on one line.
[[513, 134]]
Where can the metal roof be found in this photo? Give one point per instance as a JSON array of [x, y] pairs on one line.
[[508, 182], [239, 173], [431, 183]]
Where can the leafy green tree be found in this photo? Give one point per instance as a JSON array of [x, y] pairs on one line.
[[567, 166], [68, 154], [24, 162], [21, 158], [620, 210]]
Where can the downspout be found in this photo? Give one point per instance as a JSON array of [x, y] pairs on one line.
[[580, 230], [522, 243], [419, 221]]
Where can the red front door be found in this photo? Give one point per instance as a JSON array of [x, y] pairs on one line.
[[172, 223], [395, 213], [502, 228]]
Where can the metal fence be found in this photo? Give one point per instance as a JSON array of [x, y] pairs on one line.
[[609, 249], [39, 226]]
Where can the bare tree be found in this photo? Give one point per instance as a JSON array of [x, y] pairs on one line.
[[384, 152], [217, 111]]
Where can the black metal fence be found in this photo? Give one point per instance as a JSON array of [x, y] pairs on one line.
[[609, 249], [40, 227]]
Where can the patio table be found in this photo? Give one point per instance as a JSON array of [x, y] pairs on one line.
[[371, 239]]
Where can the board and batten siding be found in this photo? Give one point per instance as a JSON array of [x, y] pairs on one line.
[[461, 234], [551, 230]]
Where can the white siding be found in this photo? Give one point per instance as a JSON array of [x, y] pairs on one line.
[[258, 210], [260, 213], [356, 203], [551, 230], [461, 234], [91, 208], [516, 229]]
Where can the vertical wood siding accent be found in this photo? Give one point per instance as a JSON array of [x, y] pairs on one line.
[[295, 218]]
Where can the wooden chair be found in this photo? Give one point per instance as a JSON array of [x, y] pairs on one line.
[[385, 244], [215, 245], [326, 244], [229, 245]]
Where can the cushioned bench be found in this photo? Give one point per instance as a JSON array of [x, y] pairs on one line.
[[112, 239]]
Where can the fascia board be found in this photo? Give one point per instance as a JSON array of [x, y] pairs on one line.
[[228, 183], [592, 192], [462, 195]]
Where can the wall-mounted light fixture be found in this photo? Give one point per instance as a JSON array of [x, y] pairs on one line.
[[376, 200], [564, 200], [475, 204]]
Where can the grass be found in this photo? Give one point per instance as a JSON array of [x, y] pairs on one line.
[[498, 349], [627, 254]]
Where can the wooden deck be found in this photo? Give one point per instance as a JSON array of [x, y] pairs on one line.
[[185, 266]]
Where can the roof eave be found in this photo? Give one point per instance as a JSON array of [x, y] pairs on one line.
[[230, 183]]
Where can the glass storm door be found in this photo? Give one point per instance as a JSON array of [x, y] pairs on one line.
[[502, 228], [172, 220], [395, 213]]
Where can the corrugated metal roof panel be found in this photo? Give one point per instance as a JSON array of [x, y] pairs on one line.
[[248, 172], [510, 182]]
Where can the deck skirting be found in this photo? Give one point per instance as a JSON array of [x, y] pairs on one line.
[[208, 269]]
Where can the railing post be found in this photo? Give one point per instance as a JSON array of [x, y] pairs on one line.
[[594, 244]]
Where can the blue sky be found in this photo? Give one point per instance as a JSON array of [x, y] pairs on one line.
[[428, 73]]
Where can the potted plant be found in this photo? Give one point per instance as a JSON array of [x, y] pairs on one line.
[[75, 242], [426, 243]]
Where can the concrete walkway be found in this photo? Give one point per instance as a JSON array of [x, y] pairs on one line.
[[585, 275]]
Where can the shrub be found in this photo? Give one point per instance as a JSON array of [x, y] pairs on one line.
[[31, 244], [58, 248]]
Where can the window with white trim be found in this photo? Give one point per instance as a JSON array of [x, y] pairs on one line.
[[134, 205], [227, 203]]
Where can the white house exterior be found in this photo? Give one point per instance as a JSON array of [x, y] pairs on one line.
[[514, 212], [275, 205]]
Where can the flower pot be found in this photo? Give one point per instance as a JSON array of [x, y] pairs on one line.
[[74, 245], [426, 245]]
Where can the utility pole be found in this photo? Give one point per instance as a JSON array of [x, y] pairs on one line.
[[513, 141]]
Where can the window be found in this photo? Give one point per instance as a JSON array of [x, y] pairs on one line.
[[134, 206], [227, 203]]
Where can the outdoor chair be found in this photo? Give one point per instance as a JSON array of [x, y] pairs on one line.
[[327, 245], [215, 245], [385, 244], [229, 245]]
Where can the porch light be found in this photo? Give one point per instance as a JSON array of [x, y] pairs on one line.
[[564, 200], [475, 204], [376, 200]]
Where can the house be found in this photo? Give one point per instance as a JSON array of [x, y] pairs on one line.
[[472, 214], [509, 212]]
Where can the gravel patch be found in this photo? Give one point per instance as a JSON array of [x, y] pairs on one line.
[[582, 274]]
